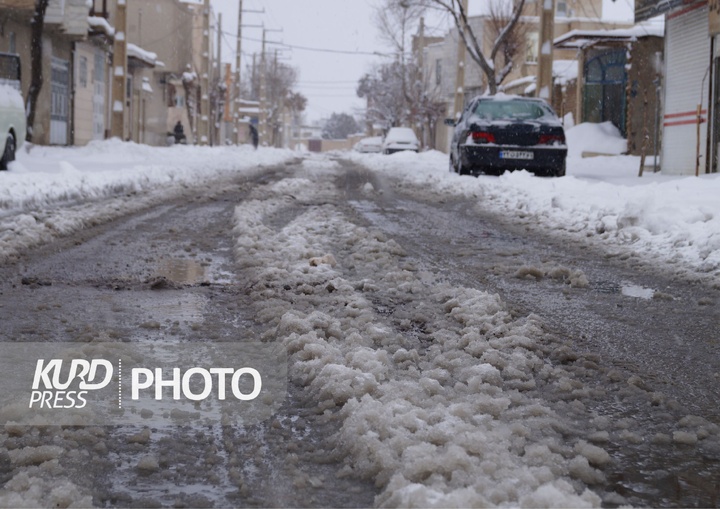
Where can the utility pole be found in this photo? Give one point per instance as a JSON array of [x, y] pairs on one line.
[[238, 66], [460, 76], [421, 75], [227, 114], [119, 86], [204, 127], [219, 46], [277, 100], [238, 55], [262, 128], [263, 92], [215, 126], [545, 54]]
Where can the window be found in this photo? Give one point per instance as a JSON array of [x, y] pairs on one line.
[[533, 40], [82, 72], [561, 8], [12, 43], [438, 71], [99, 69], [510, 110]]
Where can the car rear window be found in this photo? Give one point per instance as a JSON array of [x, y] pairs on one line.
[[511, 110]]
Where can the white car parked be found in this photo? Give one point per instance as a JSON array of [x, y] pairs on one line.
[[12, 109], [398, 139], [371, 145]]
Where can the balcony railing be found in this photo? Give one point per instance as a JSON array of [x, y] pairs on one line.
[[98, 8]]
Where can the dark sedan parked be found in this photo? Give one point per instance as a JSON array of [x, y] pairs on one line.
[[502, 132]]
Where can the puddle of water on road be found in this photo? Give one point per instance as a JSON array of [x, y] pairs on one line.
[[183, 271], [187, 271], [134, 485], [639, 292], [169, 307]]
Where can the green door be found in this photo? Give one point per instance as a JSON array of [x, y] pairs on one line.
[[605, 88]]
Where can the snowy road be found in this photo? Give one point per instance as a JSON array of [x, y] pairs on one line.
[[438, 354]]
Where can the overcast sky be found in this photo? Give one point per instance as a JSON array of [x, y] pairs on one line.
[[327, 79]]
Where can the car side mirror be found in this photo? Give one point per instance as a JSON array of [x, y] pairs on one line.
[[449, 121]]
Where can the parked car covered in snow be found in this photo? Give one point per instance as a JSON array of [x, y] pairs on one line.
[[398, 139], [502, 132], [12, 109], [372, 145]]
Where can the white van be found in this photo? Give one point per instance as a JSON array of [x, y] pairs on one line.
[[398, 139], [12, 109]]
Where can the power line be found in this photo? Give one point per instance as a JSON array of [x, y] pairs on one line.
[[321, 50], [328, 81]]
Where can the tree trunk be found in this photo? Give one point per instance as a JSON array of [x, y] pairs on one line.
[[36, 64]]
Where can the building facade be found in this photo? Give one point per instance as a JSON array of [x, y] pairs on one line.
[[691, 84], [164, 59], [440, 58]]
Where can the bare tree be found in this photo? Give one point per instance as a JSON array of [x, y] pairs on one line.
[[395, 20], [280, 79], [339, 126], [296, 104], [513, 44], [382, 87], [429, 104], [506, 24], [36, 63]]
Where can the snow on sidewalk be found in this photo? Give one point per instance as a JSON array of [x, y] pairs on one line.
[[52, 191], [669, 219]]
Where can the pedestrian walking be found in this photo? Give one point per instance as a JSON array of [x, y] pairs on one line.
[[179, 132], [254, 136]]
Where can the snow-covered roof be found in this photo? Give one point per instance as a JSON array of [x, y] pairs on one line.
[[137, 52], [146, 85], [100, 24], [564, 71], [582, 38]]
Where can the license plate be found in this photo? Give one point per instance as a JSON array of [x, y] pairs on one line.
[[516, 154]]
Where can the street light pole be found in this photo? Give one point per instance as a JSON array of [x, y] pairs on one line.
[[544, 82], [460, 75], [119, 86], [204, 127]]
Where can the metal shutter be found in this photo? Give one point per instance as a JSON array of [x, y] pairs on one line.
[[687, 56]]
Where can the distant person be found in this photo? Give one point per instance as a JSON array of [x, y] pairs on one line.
[[179, 132], [254, 136]]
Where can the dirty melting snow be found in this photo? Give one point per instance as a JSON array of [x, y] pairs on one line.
[[455, 421], [672, 219], [53, 191]]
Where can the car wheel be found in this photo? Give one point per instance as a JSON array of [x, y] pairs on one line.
[[462, 169], [560, 172], [9, 154]]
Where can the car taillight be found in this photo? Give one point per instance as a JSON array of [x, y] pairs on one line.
[[482, 137], [549, 139]]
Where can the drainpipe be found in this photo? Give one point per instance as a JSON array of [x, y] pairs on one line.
[[698, 122]]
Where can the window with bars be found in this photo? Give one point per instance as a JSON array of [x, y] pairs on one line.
[[83, 72]]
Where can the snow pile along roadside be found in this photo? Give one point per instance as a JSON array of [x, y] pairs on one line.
[[54, 191], [436, 388], [602, 138], [45, 176]]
